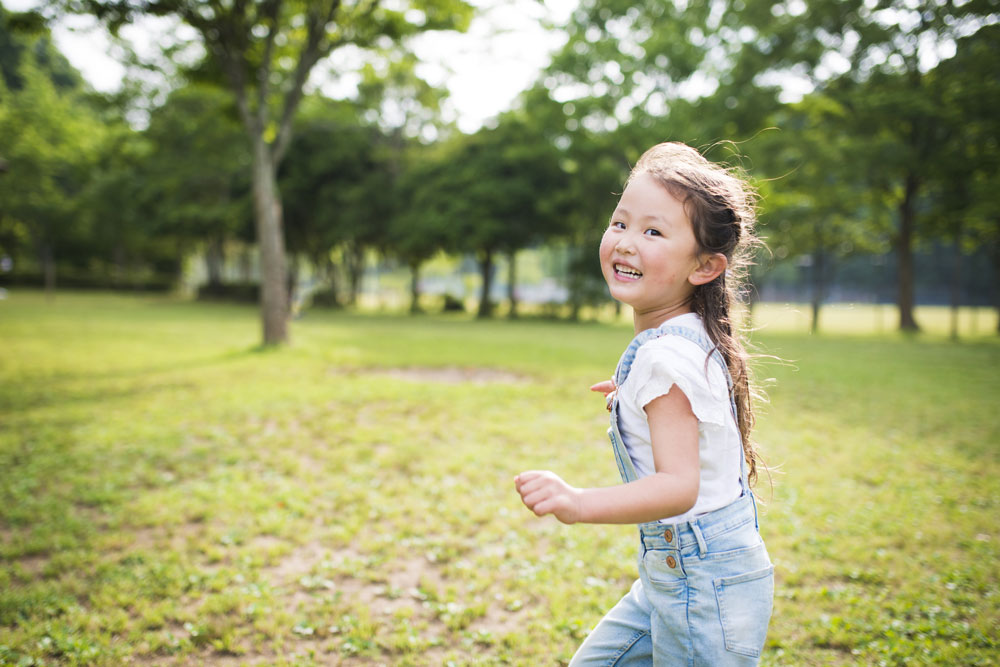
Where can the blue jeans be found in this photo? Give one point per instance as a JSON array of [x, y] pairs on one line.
[[703, 596]]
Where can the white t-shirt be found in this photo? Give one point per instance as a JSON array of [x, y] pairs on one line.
[[659, 365]]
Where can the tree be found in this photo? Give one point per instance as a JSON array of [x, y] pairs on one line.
[[196, 175], [594, 163], [49, 139], [700, 72], [964, 175], [265, 52], [408, 111], [494, 191], [424, 227], [819, 207], [336, 188]]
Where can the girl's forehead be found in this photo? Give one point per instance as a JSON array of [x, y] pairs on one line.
[[646, 194]]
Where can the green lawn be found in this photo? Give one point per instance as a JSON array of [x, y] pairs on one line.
[[171, 494]]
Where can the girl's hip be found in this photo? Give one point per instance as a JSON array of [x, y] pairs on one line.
[[711, 582], [723, 543]]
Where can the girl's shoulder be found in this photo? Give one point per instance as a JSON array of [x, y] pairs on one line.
[[684, 336], [672, 360], [682, 357]]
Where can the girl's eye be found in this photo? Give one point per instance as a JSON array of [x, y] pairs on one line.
[[615, 224], [654, 232]]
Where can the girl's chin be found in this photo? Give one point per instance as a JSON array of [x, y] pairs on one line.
[[623, 294]]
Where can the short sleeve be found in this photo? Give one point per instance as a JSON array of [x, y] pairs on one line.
[[671, 360]]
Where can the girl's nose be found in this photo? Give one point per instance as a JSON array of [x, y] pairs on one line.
[[624, 246]]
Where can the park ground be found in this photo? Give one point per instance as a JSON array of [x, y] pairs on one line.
[[172, 494]]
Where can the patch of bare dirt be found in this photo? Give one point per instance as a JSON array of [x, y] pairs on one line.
[[382, 594]]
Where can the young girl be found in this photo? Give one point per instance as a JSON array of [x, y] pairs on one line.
[[680, 425]]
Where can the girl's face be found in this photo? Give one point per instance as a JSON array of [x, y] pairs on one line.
[[649, 251]]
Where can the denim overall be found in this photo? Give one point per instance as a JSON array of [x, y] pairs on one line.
[[705, 586]]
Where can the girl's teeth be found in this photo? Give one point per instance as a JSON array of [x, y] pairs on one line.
[[627, 271]]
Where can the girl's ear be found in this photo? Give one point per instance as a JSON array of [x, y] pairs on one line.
[[709, 268]]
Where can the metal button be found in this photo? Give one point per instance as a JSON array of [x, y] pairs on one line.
[[671, 562], [668, 535]]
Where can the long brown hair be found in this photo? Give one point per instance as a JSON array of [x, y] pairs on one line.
[[721, 205]]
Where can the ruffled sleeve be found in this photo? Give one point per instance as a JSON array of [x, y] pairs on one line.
[[671, 360]]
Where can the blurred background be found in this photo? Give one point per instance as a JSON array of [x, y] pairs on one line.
[[174, 172], [450, 155]]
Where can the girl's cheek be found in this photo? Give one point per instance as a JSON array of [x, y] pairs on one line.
[[607, 244]]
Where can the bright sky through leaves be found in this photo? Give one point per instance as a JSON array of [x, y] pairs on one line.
[[484, 69]]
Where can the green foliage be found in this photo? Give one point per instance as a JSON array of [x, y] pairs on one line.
[[50, 142], [337, 182], [172, 493], [499, 190], [197, 168], [963, 177], [887, 145], [24, 37], [873, 141]]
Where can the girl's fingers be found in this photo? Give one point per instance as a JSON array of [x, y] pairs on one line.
[[532, 500], [533, 479], [604, 387], [530, 487], [548, 506], [524, 478]]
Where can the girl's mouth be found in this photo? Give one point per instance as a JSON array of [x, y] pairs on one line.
[[627, 272]]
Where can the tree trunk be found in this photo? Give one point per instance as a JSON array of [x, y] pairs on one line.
[[180, 250], [486, 271], [293, 277], [118, 276], [214, 258], [576, 281], [48, 260], [512, 283], [996, 278], [329, 270], [574, 310], [415, 287], [956, 283], [270, 238], [246, 265], [904, 251], [819, 288], [355, 258]]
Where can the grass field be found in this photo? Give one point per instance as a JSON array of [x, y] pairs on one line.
[[171, 494]]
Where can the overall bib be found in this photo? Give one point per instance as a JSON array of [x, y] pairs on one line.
[[705, 587]]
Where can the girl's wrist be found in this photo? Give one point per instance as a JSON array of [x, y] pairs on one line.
[[584, 510]]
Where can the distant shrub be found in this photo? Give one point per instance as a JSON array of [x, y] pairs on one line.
[[452, 304], [325, 298], [67, 280], [238, 292]]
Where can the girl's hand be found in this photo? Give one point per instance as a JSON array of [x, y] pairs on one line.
[[607, 388], [544, 492]]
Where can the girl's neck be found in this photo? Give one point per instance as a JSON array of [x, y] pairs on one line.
[[653, 318]]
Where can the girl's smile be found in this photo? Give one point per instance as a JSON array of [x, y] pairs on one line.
[[625, 272], [649, 252]]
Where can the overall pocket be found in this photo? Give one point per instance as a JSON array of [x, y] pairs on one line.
[[745, 602], [663, 569]]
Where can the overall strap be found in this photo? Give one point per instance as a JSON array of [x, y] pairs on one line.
[[625, 466], [696, 337]]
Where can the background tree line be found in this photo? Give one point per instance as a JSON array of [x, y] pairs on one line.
[[890, 145]]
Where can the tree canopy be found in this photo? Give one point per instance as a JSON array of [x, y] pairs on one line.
[[868, 126]]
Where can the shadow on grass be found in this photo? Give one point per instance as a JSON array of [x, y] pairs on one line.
[[56, 388]]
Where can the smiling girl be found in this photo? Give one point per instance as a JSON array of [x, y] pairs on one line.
[[681, 416]]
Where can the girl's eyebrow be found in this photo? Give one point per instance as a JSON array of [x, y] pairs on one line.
[[650, 217]]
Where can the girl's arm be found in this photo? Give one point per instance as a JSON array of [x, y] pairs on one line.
[[671, 490]]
